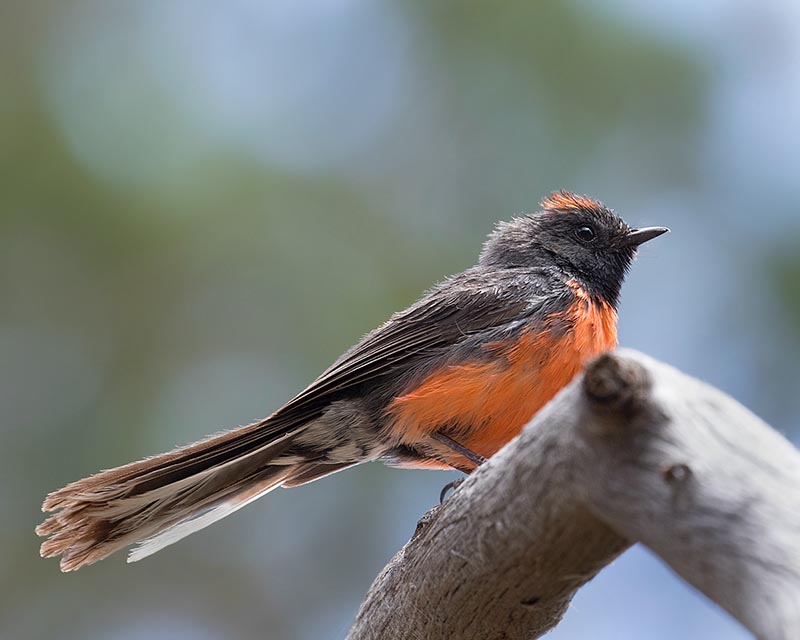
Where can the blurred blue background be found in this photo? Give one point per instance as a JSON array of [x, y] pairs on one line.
[[203, 203]]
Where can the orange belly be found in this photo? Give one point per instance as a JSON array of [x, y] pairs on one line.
[[484, 405]]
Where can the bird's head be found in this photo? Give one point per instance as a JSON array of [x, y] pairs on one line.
[[577, 235]]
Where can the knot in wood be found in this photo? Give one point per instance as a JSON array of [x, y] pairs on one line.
[[425, 521], [677, 473], [615, 382]]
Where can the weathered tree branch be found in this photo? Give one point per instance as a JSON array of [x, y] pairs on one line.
[[632, 451]]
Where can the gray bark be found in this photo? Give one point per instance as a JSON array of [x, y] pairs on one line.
[[631, 451]]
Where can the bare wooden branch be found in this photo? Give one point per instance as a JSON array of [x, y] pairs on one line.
[[631, 451]]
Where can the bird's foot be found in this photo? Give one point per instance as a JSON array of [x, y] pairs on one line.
[[450, 486]]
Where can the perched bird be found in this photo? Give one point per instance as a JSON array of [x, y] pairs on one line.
[[443, 384]]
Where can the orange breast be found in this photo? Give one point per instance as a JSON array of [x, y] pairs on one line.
[[485, 404]]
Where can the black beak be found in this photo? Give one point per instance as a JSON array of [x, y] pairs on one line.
[[640, 236]]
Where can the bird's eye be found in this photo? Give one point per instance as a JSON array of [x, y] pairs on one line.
[[585, 234]]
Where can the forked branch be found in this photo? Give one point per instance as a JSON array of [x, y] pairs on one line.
[[632, 451]]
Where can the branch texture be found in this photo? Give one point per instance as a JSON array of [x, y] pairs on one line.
[[632, 451]]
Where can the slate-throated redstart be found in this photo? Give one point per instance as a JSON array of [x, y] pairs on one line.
[[443, 384]]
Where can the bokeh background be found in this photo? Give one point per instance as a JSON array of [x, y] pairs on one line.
[[203, 203]]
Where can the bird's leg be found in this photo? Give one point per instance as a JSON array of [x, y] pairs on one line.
[[469, 454]]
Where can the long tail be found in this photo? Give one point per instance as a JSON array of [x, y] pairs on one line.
[[160, 500]]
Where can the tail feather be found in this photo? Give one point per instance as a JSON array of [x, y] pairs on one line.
[[216, 512], [156, 471], [311, 472], [159, 500]]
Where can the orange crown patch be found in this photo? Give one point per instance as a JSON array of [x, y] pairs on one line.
[[566, 201]]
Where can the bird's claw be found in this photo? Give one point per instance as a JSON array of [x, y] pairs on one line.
[[450, 486]]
